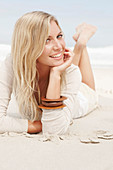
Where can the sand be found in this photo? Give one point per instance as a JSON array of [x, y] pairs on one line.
[[88, 145]]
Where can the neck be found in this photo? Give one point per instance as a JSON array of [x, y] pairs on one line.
[[43, 78], [43, 72]]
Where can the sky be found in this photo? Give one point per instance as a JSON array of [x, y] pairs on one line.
[[69, 13]]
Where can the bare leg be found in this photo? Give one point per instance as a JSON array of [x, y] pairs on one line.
[[83, 33], [82, 60], [86, 70]]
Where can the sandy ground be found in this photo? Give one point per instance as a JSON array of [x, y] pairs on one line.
[[88, 145]]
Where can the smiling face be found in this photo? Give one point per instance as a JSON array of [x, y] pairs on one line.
[[53, 52]]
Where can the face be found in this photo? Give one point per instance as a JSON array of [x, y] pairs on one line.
[[54, 47]]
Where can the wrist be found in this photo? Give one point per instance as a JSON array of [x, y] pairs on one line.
[[53, 90], [54, 73], [52, 103]]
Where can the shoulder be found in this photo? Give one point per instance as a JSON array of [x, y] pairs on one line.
[[7, 61], [6, 69]]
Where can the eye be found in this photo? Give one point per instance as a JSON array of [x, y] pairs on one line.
[[60, 36], [48, 40]]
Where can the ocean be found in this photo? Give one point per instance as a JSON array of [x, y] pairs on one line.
[[99, 57]]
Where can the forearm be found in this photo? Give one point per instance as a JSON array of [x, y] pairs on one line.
[[57, 121], [53, 90], [12, 124]]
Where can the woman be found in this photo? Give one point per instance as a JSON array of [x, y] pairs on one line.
[[40, 65]]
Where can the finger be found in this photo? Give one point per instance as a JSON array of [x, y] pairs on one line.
[[67, 62], [68, 55], [67, 49]]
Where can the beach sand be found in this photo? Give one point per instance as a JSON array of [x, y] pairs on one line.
[[88, 145]]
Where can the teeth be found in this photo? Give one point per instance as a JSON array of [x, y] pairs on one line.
[[55, 56]]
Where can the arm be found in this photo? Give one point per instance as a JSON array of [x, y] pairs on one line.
[[8, 123], [57, 121], [53, 90]]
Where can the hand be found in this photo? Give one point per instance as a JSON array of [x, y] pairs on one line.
[[68, 57], [34, 127], [83, 33]]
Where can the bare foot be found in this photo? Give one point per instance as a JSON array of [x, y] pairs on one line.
[[83, 33]]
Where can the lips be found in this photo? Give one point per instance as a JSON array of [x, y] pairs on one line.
[[56, 56]]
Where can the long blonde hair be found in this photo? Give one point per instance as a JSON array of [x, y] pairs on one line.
[[29, 37]]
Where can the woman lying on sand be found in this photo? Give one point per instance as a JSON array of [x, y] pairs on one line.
[[52, 84]]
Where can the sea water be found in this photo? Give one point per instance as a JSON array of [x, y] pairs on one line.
[[99, 57]]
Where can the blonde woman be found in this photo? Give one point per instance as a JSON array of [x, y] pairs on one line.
[[40, 65]]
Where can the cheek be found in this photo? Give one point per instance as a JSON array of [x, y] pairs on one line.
[[46, 51], [44, 55], [63, 44]]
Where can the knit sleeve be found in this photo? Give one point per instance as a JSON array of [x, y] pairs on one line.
[[57, 121], [8, 123]]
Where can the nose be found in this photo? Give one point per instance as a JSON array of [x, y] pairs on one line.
[[57, 45]]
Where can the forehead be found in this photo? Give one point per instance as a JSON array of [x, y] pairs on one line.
[[54, 28]]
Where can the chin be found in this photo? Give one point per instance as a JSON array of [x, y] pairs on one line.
[[59, 63]]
